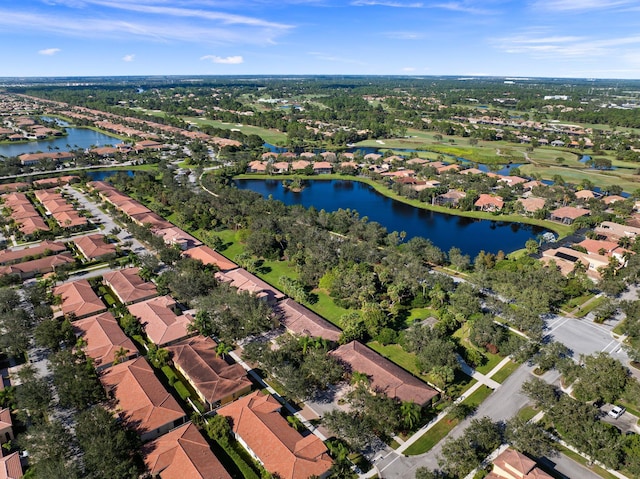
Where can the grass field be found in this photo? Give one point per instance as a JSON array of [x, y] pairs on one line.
[[274, 137], [505, 371]]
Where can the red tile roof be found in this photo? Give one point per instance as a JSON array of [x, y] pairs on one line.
[[38, 266], [128, 286], [569, 212], [300, 320], [143, 402], [10, 467], [158, 320], [385, 376], [183, 454], [79, 298], [282, 449], [210, 257], [211, 375], [104, 338], [44, 248], [94, 246], [243, 280]]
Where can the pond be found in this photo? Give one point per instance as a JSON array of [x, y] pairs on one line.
[[468, 234], [101, 175], [76, 138]]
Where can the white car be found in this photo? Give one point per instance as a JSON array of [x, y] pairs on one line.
[[616, 412]]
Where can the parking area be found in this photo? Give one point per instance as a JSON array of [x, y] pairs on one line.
[[627, 422]]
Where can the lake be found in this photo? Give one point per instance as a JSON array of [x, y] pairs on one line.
[[76, 138], [468, 234], [101, 175]]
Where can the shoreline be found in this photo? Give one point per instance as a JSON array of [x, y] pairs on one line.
[[561, 230]]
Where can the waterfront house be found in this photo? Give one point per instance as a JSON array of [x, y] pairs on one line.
[[489, 203], [244, 281], [568, 214], [532, 204], [258, 425], [450, 198], [322, 168]]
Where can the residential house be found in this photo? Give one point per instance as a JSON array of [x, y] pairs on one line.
[[10, 466], [615, 231], [215, 380], [489, 203], [140, 400], [105, 341], [79, 299], [568, 259], [532, 204], [585, 195], [303, 322], [159, 321], [280, 167], [299, 165], [175, 236], [182, 454], [512, 180], [36, 267], [512, 464], [128, 286], [385, 377], [6, 426], [611, 199], [208, 256], [44, 248], [266, 435], [95, 247], [257, 167], [322, 168], [243, 280], [568, 214], [450, 198]]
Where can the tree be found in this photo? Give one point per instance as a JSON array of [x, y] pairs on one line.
[[218, 428], [108, 449], [50, 455], [528, 437], [54, 334], [75, 380], [410, 414], [33, 395], [543, 394], [601, 378]]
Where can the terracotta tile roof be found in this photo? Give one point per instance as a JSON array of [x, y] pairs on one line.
[[46, 247], [210, 257], [5, 419], [10, 467], [37, 266], [67, 219], [569, 212], [489, 202], [299, 164], [128, 286], [299, 320], [609, 200], [158, 320], [594, 246], [384, 375], [532, 203], [94, 246], [151, 218], [79, 298], [143, 402], [282, 449], [32, 224], [183, 454], [322, 165], [210, 374], [585, 194], [243, 280], [104, 338], [174, 235], [130, 207], [512, 464], [615, 231]]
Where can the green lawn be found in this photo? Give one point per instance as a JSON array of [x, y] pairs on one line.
[[478, 396], [527, 413], [326, 308], [586, 309], [395, 353], [505, 371], [492, 361], [274, 137], [432, 437]]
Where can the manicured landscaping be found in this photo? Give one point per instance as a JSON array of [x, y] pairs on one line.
[[527, 413], [587, 308], [505, 371]]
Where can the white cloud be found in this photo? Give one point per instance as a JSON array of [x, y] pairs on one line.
[[383, 3], [405, 35], [49, 51], [463, 7], [234, 60], [408, 69], [580, 5], [128, 58]]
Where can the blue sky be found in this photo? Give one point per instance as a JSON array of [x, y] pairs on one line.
[[520, 38]]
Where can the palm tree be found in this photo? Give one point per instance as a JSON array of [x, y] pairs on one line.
[[410, 413], [223, 349], [120, 355]]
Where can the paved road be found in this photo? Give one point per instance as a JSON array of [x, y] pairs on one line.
[[569, 468], [501, 405]]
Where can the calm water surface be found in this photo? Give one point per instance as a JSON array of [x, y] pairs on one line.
[[76, 138], [445, 231]]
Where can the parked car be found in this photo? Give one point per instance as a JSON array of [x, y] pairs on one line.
[[616, 412]]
